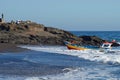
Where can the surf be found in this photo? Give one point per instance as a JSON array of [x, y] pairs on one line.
[[92, 55]]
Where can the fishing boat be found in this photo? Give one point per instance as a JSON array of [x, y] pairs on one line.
[[72, 46], [106, 46]]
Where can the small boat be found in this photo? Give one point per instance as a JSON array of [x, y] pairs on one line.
[[106, 46], [74, 46]]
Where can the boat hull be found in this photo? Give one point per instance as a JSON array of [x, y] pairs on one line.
[[71, 47]]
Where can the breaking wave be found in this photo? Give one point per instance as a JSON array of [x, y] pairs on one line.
[[92, 55], [100, 72], [74, 74]]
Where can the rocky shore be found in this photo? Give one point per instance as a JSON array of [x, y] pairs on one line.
[[33, 33], [27, 32]]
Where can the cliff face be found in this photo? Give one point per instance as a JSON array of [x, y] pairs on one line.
[[33, 33]]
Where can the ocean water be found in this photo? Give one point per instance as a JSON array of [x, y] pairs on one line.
[[59, 63], [107, 35]]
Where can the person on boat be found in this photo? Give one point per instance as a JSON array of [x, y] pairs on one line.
[[73, 42]]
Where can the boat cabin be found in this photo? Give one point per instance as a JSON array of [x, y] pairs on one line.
[[106, 45]]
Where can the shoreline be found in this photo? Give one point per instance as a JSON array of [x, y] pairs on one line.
[[16, 66], [6, 47]]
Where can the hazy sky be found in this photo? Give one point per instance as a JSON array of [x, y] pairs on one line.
[[81, 15]]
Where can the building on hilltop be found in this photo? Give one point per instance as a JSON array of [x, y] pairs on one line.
[[2, 18]]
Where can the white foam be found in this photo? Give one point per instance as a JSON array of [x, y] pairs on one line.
[[78, 74], [33, 78], [84, 73], [74, 74], [93, 55]]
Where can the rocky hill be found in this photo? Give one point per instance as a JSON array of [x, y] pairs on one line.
[[32, 33], [27, 32]]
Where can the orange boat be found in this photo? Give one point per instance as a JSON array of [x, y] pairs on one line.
[[74, 46]]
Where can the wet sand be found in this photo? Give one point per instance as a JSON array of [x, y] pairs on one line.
[[6, 47]]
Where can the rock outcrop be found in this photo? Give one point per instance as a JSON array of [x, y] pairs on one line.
[[33, 33], [27, 32], [95, 41], [91, 40]]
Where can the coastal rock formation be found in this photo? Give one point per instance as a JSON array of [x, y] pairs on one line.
[[91, 40], [27, 32], [95, 41], [32, 33]]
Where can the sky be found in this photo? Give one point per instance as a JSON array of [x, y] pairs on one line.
[[72, 15]]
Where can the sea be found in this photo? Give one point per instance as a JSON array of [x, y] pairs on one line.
[[59, 63]]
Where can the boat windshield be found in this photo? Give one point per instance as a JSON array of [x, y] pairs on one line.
[[106, 45]]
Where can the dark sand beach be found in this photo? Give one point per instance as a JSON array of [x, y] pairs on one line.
[[6, 47], [21, 64]]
